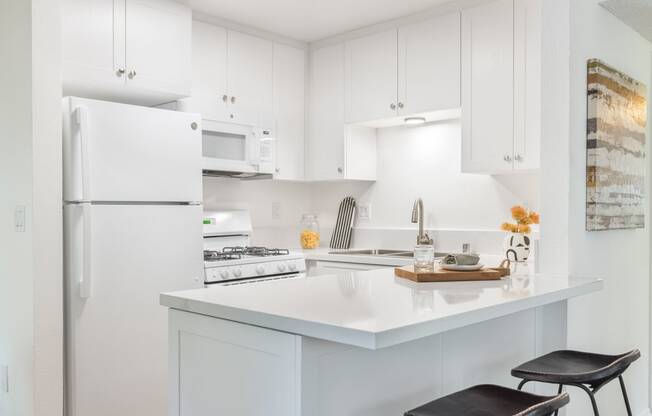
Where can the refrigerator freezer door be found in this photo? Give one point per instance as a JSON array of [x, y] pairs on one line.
[[119, 152], [117, 336]]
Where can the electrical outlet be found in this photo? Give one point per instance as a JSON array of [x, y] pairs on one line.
[[276, 210], [19, 219], [364, 212], [4, 379]]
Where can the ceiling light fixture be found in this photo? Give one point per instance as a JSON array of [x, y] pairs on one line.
[[414, 120]]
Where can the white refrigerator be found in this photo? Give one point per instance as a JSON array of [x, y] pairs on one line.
[[133, 229]]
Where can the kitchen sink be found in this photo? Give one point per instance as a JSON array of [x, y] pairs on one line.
[[382, 253]]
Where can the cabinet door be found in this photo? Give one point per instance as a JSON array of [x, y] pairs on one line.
[[209, 91], [289, 111], [429, 65], [158, 39], [250, 79], [371, 77], [326, 137], [92, 43], [488, 87], [527, 82]]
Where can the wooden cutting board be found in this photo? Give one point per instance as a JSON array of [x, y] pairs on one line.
[[441, 275]]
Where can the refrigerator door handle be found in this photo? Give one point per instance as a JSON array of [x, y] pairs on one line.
[[85, 283], [81, 118]]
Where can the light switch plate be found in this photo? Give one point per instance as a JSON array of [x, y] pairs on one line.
[[276, 210], [19, 219], [364, 212], [4, 379]]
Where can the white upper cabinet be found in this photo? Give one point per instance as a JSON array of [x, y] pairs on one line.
[[250, 79], [429, 65], [501, 86], [488, 87], [127, 50], [289, 111], [209, 72], [232, 78], [527, 84], [335, 150], [93, 42], [414, 69], [158, 44], [371, 75]]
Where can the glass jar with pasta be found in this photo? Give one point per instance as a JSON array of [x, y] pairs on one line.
[[309, 231]]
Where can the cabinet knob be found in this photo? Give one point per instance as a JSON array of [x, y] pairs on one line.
[[507, 158], [278, 170], [340, 170], [392, 106], [120, 72], [225, 98], [400, 105], [231, 116], [131, 74], [232, 100], [518, 158]]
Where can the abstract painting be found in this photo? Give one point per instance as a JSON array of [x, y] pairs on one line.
[[615, 149]]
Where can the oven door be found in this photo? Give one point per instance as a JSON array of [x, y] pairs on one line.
[[236, 149]]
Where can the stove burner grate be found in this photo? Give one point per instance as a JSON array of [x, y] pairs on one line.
[[256, 251], [211, 255]]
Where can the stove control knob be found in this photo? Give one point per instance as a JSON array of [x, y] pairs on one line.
[[293, 266], [260, 270], [224, 274], [281, 267], [237, 272]]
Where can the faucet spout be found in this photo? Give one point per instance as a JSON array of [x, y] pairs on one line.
[[417, 218]]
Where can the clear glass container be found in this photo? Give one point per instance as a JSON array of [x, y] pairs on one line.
[[424, 258], [309, 231]]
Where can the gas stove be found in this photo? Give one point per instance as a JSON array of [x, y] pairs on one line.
[[230, 259]]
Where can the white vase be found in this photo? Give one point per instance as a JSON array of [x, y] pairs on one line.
[[517, 247]]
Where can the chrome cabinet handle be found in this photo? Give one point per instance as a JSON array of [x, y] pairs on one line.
[[518, 158], [340, 170], [392, 106], [400, 105], [507, 158], [120, 72], [278, 170], [225, 98], [232, 100], [131, 74]]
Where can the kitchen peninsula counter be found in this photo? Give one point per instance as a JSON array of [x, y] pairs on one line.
[[365, 343]]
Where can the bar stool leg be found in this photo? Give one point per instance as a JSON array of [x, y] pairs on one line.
[[622, 387], [522, 383], [591, 396], [561, 387]]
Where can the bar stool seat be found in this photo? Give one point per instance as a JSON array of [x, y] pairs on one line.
[[567, 367], [490, 400], [587, 371]]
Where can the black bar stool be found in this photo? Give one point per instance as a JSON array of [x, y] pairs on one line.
[[588, 371], [490, 400]]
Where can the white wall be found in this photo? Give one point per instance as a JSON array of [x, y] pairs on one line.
[[412, 162], [617, 319], [30, 164]]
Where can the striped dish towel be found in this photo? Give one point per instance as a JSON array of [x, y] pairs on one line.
[[343, 231]]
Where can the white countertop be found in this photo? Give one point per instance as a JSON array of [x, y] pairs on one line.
[[375, 309]]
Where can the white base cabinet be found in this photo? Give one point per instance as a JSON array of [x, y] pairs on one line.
[[221, 367], [336, 150], [501, 86], [126, 50]]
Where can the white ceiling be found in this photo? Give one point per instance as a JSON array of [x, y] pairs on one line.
[[310, 20], [635, 13]]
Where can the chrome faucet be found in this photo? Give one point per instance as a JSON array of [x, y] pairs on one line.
[[417, 218]]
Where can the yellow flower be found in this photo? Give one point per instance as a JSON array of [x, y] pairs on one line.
[[534, 217], [519, 213]]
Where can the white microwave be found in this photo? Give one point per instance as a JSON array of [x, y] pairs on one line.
[[237, 150]]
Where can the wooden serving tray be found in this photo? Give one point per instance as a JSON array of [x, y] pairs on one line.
[[441, 275]]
